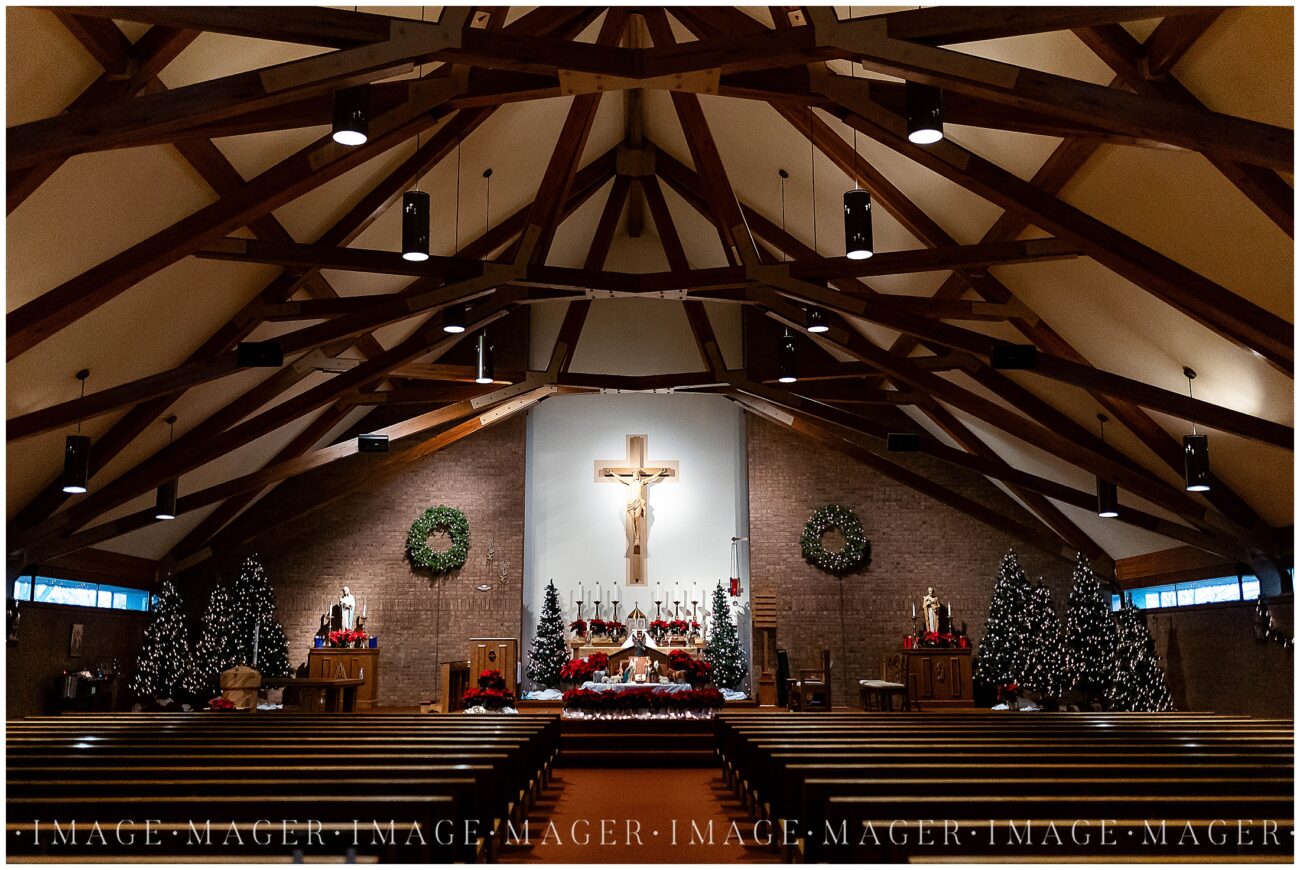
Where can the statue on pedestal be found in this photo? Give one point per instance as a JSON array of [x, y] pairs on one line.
[[347, 608], [930, 604]]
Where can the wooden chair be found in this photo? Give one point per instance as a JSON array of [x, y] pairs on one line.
[[812, 689]]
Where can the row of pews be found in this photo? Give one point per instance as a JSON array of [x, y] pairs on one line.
[[1038, 787], [235, 786]]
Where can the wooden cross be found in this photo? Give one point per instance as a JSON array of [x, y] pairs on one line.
[[637, 474]]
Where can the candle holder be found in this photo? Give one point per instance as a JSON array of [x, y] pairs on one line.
[[694, 605], [658, 604], [677, 610], [579, 608], [615, 603]]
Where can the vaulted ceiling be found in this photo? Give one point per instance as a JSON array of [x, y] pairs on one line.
[[1114, 189]]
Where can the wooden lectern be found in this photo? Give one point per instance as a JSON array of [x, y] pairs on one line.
[[765, 627], [348, 663], [495, 654]]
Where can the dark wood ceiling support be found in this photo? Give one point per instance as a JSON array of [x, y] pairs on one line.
[[1125, 55], [871, 434], [150, 55], [1210, 304], [1120, 112], [1048, 543]]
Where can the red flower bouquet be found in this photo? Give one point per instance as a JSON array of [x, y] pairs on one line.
[[598, 660], [658, 629], [598, 627], [221, 704], [578, 626], [491, 679], [694, 671], [678, 626], [615, 629], [348, 637], [491, 693]]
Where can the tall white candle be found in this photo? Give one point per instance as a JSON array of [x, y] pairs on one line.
[[579, 591], [914, 610], [257, 628], [363, 607]]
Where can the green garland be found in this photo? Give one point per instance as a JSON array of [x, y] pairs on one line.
[[439, 519], [853, 556]]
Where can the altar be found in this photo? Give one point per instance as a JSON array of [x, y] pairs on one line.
[[600, 700]]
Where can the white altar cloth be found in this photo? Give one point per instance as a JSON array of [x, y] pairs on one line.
[[659, 688]]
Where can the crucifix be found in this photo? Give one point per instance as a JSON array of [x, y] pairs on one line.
[[637, 474]]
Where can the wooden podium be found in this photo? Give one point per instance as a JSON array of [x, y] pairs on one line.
[[326, 663], [937, 677], [495, 654]]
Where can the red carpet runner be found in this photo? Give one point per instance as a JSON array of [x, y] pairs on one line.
[[639, 815]]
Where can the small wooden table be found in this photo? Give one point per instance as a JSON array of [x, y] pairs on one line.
[[326, 694], [880, 695]]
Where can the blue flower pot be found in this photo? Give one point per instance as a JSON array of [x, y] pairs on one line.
[[374, 642], [320, 641]]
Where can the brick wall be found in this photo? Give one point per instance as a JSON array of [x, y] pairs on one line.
[[916, 542], [360, 541]]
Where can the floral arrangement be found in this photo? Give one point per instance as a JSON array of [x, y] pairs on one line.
[[598, 627], [658, 629], [348, 637], [491, 693], [221, 704], [615, 629], [678, 626], [578, 626], [695, 627], [582, 670], [642, 699], [439, 519], [696, 671], [947, 640], [855, 555]]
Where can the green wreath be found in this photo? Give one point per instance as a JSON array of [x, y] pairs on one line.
[[439, 519], [853, 556]]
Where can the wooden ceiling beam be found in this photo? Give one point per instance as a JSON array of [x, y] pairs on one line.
[[102, 39], [1047, 542], [1125, 55], [987, 465], [304, 25], [938, 25], [1119, 112], [1214, 306], [1170, 40]]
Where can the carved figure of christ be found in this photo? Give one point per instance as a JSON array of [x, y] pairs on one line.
[[638, 475]]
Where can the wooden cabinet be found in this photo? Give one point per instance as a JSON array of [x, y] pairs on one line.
[[938, 677], [325, 662]]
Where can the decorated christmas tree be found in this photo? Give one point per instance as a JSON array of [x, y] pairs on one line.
[[1000, 660], [163, 668], [1045, 658], [216, 650], [1089, 635], [548, 653], [253, 614], [723, 651], [1138, 684]]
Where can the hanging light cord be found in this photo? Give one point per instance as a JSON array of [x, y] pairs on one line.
[[781, 175], [1101, 424], [83, 395], [487, 204], [853, 71], [1189, 395], [457, 246], [419, 133]]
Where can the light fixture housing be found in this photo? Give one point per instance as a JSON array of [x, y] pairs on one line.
[[1107, 499], [924, 113], [787, 359], [859, 243], [351, 125], [816, 319], [415, 226], [484, 371], [1196, 462], [453, 318], [165, 505], [76, 464]]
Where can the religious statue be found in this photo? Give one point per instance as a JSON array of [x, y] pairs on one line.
[[348, 607], [637, 474], [930, 604]]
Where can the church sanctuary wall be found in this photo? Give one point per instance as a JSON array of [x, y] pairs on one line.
[[34, 665], [915, 541], [575, 525], [360, 540]]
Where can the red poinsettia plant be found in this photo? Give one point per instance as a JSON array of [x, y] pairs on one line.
[[598, 660], [348, 637], [221, 704], [695, 671], [658, 629], [678, 626], [598, 627], [583, 670], [642, 698], [947, 640], [491, 693], [614, 628], [578, 626]]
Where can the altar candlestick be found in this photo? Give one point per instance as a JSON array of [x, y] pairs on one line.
[[363, 608], [914, 610], [257, 628], [579, 591]]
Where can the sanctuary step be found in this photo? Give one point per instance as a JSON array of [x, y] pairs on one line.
[[638, 743]]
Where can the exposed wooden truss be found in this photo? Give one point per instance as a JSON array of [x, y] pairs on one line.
[[480, 63]]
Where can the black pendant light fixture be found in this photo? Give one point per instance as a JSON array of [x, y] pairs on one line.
[[787, 360], [351, 125], [1196, 451], [415, 226], [165, 504], [453, 318], [484, 371], [76, 453], [816, 320], [1107, 492], [924, 113], [859, 242]]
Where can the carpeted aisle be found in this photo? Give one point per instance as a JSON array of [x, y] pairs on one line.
[[645, 815]]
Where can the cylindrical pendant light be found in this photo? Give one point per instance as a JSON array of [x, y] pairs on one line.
[[485, 372], [415, 225], [1196, 450], [76, 453], [1107, 492], [787, 360], [351, 122], [858, 242], [924, 113], [816, 319], [453, 318], [165, 503], [76, 464]]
